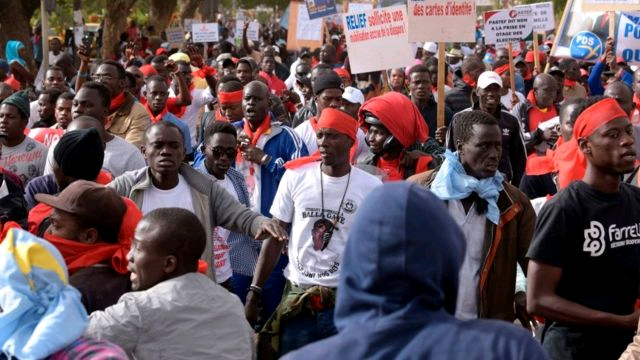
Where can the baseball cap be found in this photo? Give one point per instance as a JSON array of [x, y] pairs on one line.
[[487, 78], [430, 47], [180, 56], [353, 95], [98, 205]]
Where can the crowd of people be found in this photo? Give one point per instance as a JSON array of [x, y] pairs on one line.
[[246, 202]]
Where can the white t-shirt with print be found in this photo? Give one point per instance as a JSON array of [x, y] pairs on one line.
[[179, 196], [26, 159], [220, 240], [298, 201]]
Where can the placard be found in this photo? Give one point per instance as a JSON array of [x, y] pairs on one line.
[[188, 23], [204, 33], [502, 27], [378, 39], [610, 5], [175, 37], [307, 29], [628, 38], [299, 23], [355, 7], [442, 20], [253, 31], [543, 18], [318, 9]]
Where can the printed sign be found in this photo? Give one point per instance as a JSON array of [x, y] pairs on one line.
[[320, 8], [583, 34], [628, 39], [175, 37], [307, 29], [543, 19], [368, 32], [502, 27], [203, 33], [442, 20]]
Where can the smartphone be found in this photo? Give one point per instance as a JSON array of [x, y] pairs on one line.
[[87, 40]]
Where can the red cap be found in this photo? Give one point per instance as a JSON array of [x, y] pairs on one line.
[[161, 51]]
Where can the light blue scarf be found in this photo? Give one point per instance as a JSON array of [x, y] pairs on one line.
[[453, 183], [11, 52], [42, 313]]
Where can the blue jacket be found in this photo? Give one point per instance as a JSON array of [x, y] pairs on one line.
[[398, 289], [283, 144], [595, 79]]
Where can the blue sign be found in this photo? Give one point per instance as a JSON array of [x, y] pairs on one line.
[[586, 45], [321, 8]]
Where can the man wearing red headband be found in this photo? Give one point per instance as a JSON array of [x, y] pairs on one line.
[[318, 199], [501, 67], [390, 137], [584, 268]]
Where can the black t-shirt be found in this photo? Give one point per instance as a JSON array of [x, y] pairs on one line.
[[595, 239]]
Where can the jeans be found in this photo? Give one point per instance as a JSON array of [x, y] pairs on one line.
[[305, 329]]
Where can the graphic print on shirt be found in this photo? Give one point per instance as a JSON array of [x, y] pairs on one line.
[[323, 230], [594, 237]]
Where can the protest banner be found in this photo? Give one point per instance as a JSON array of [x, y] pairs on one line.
[[253, 30], [509, 26], [355, 7], [628, 37], [543, 18], [610, 5], [442, 20], [175, 37], [318, 9], [378, 39], [204, 33], [302, 30]]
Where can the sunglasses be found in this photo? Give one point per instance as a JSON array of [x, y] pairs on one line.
[[217, 152]]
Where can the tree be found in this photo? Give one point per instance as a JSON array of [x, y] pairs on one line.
[[160, 12], [114, 22], [188, 9], [14, 24]]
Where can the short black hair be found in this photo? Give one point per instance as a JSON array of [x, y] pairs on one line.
[[103, 91], [246, 62], [154, 78], [69, 96], [419, 69], [322, 66], [159, 59], [223, 127], [574, 114], [230, 83], [229, 78], [55, 68], [121, 72], [164, 124], [432, 61], [471, 63], [565, 63], [185, 239], [465, 120], [53, 94]]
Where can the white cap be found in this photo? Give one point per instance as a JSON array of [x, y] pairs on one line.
[[430, 47], [353, 95], [487, 78]]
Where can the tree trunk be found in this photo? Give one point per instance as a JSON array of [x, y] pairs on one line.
[[160, 12], [208, 10], [188, 9], [115, 22], [14, 25]]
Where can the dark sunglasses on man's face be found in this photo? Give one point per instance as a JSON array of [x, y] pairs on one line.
[[217, 152]]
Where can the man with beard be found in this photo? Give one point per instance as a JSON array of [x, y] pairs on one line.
[[318, 198]]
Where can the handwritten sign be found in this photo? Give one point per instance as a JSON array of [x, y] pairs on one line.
[[442, 20], [203, 33], [368, 32]]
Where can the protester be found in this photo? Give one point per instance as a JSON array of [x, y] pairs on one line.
[[42, 314], [170, 299], [62, 111], [514, 156], [320, 222], [510, 98], [572, 86], [352, 100], [46, 108], [235, 253], [587, 304], [485, 206], [459, 98], [415, 318], [15, 53], [21, 155], [311, 109], [622, 93], [5, 91], [420, 89], [267, 65]]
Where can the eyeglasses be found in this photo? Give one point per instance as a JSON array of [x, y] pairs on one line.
[[99, 77], [217, 152]]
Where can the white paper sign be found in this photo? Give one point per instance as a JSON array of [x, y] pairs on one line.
[[203, 33], [543, 19], [442, 20], [188, 23], [307, 29], [378, 39], [628, 38], [360, 7], [502, 27], [175, 37]]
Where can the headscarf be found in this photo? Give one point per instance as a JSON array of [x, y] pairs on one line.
[[11, 52], [453, 183], [399, 115], [569, 159], [42, 313]]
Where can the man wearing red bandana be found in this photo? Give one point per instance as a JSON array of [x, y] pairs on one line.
[[572, 86], [584, 268]]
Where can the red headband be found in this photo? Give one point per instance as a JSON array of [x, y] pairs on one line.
[[339, 121], [595, 116], [501, 69], [343, 73], [233, 97]]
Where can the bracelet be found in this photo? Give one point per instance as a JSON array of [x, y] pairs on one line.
[[256, 289], [84, 75]]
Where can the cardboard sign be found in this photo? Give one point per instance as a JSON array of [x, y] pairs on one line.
[[300, 25], [543, 18], [307, 29], [610, 5], [628, 38], [369, 32], [441, 20], [318, 9], [203, 33], [503, 27], [175, 37], [582, 35], [253, 31]]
